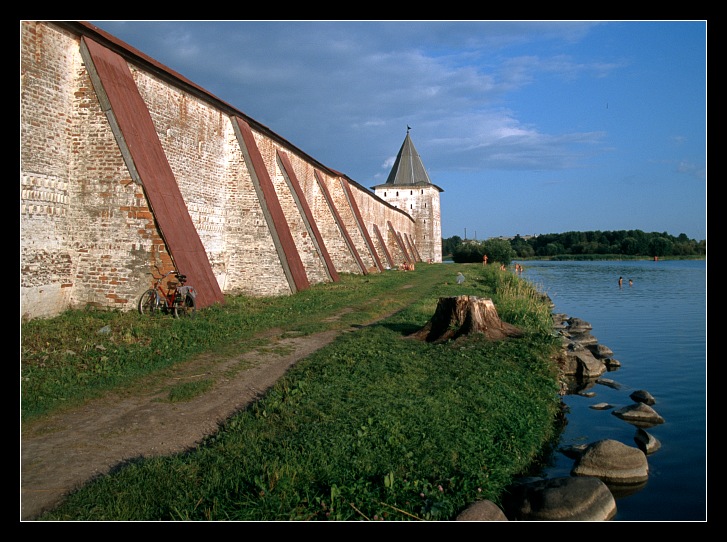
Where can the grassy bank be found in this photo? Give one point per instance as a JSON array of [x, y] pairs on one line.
[[374, 426]]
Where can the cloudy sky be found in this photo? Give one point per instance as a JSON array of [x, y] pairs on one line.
[[529, 127]]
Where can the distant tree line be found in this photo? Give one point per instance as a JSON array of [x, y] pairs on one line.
[[575, 245]]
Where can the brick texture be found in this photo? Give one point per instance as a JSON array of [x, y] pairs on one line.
[[89, 236]]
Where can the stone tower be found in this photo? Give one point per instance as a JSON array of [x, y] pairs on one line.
[[409, 188]]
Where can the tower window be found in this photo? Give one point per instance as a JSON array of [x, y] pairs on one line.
[[411, 206], [411, 192], [397, 193], [422, 191]]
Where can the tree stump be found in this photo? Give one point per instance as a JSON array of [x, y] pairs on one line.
[[462, 315]]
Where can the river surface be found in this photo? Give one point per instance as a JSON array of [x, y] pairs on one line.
[[657, 329]]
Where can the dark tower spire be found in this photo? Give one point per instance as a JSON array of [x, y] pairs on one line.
[[408, 168]]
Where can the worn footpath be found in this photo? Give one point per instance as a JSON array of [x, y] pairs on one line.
[[65, 451]]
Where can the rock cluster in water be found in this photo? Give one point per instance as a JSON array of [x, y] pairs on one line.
[[603, 470]]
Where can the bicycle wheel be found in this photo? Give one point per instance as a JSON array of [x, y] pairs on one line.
[[186, 308], [148, 302]]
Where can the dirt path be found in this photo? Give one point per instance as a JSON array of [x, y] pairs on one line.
[[66, 451]]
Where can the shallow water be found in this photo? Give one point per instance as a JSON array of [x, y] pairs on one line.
[[657, 329]]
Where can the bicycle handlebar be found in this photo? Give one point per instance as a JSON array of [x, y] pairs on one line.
[[182, 278]]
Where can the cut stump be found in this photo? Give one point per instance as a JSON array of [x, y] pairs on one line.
[[462, 315]]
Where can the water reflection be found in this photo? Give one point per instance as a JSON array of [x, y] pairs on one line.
[[619, 491]]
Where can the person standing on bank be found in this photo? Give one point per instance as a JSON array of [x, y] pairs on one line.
[[484, 259]]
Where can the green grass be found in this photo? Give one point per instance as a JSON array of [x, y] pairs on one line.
[[374, 426], [186, 391]]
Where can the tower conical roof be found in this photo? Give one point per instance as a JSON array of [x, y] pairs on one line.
[[408, 168]]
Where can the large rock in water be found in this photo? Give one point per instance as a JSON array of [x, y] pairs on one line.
[[613, 462], [646, 442], [643, 396], [560, 499], [639, 414]]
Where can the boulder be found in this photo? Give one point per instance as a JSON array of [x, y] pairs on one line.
[[580, 362], [639, 414], [600, 351], [482, 511], [643, 396], [611, 363], [646, 442], [559, 321], [566, 498], [583, 338], [613, 462], [578, 325]]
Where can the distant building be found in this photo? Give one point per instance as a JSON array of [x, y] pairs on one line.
[[409, 188]]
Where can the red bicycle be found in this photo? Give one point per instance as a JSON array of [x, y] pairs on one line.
[[173, 297]]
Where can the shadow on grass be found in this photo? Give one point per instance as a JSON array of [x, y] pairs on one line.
[[401, 328]]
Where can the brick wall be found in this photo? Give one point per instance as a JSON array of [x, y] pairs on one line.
[[88, 234]]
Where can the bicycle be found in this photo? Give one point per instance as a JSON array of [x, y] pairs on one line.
[[178, 298]]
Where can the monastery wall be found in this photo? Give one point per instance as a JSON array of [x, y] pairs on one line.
[[271, 219]]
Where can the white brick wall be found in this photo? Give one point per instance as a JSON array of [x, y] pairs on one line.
[[87, 233]]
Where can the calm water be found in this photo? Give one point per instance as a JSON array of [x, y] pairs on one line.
[[657, 329]]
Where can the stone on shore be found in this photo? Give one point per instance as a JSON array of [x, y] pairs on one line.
[[578, 325], [583, 338], [575, 360], [566, 498], [600, 351], [482, 511]]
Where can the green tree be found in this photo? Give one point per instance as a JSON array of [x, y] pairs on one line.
[[525, 251], [468, 252], [626, 242], [630, 246], [498, 250], [450, 244], [521, 247], [660, 246], [551, 249]]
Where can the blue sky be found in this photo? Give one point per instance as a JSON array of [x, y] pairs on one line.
[[529, 127]]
